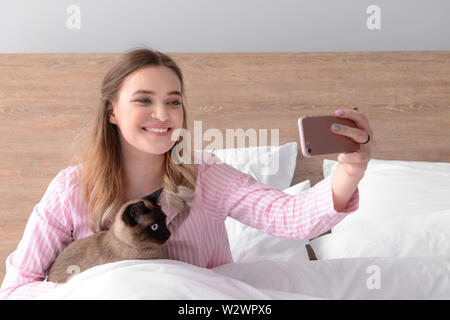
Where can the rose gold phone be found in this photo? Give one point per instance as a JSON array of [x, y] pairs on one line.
[[316, 137]]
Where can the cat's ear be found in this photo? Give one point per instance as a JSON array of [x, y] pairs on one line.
[[133, 212], [153, 198]]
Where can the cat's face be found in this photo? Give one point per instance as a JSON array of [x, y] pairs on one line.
[[142, 223]]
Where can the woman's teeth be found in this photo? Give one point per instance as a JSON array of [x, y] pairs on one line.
[[156, 129]]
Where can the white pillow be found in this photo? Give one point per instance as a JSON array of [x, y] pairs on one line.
[[249, 244], [403, 212], [297, 188], [416, 236], [392, 188], [271, 165]]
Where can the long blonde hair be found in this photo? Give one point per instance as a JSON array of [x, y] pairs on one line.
[[101, 174]]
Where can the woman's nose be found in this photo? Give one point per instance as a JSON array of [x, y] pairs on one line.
[[160, 112]]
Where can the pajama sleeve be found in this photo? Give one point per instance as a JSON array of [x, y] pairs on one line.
[[47, 232], [225, 191]]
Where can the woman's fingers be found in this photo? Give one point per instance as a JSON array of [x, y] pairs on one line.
[[361, 133], [357, 135], [355, 163], [358, 117]]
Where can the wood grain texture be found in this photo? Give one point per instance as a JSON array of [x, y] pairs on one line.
[[46, 99]]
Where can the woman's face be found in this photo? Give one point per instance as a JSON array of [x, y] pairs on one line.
[[136, 112]]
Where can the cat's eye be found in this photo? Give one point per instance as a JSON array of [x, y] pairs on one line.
[[154, 227]]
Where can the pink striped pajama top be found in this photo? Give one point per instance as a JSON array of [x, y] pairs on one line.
[[198, 236]]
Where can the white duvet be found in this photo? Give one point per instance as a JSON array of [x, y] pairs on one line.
[[351, 278]]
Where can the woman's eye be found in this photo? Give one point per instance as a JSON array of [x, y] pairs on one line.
[[140, 100], [145, 101], [154, 227]]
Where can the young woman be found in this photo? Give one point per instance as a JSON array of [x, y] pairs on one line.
[[129, 156]]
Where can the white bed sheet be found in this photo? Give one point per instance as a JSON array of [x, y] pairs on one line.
[[352, 278]]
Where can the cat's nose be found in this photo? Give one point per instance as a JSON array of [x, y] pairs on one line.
[[166, 234]]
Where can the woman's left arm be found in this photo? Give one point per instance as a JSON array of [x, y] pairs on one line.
[[352, 165]]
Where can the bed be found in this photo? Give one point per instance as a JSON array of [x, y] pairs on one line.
[[46, 100]]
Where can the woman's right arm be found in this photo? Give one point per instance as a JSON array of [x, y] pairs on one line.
[[47, 233]]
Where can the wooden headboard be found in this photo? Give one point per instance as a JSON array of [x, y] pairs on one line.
[[45, 99]]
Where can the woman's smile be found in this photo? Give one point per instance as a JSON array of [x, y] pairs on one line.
[[158, 131]]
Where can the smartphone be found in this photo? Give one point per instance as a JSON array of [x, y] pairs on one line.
[[316, 137]]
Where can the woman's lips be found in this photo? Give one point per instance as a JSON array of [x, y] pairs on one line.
[[156, 133]]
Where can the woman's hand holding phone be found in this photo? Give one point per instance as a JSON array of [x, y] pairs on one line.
[[319, 135], [347, 133], [355, 163]]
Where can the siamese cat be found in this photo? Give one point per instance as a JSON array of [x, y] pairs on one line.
[[138, 231]]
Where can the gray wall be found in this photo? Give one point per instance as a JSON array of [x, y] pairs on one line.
[[41, 26]]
